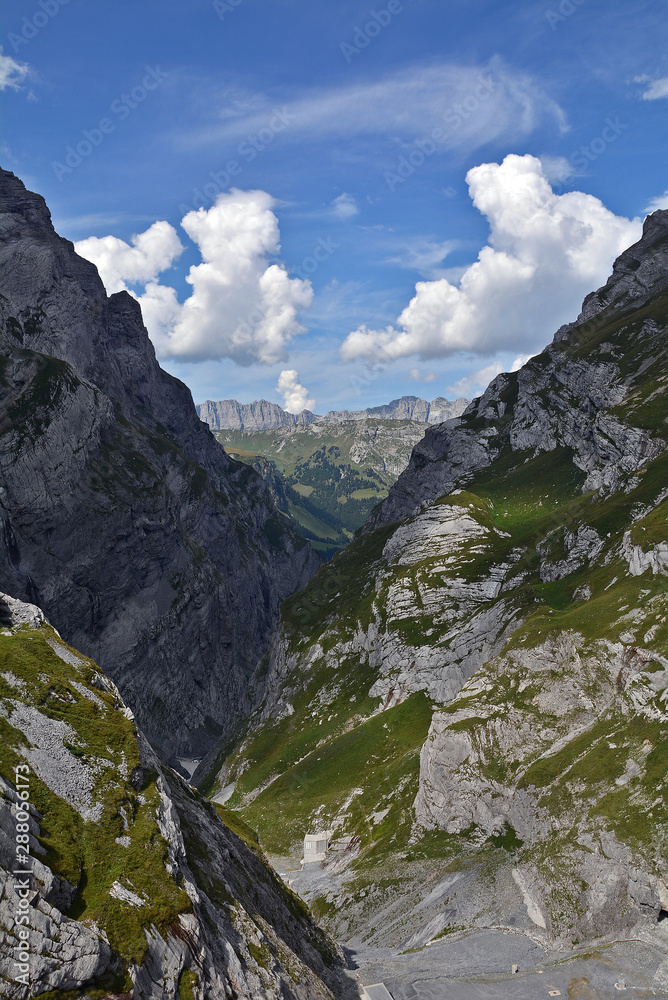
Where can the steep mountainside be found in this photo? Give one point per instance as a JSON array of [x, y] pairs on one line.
[[473, 694], [328, 476], [123, 518], [263, 415], [136, 886]]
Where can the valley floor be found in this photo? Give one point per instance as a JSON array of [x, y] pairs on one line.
[[477, 965]]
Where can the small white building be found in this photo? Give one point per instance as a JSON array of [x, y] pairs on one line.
[[316, 845]]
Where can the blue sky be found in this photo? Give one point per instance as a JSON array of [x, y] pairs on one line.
[[396, 198]]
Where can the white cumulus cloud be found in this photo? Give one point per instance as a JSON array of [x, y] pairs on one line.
[[295, 396], [545, 253], [12, 73], [243, 305], [121, 264]]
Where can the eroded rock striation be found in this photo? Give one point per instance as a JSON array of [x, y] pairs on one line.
[[123, 518], [260, 415]]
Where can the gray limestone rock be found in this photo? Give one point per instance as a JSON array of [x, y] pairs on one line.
[[260, 415], [122, 517], [239, 931], [404, 408]]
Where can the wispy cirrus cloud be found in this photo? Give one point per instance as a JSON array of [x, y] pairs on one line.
[[655, 90], [417, 376], [425, 255], [12, 73], [661, 201], [344, 207], [477, 103]]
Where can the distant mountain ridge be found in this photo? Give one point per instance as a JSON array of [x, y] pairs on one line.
[[260, 415], [229, 414]]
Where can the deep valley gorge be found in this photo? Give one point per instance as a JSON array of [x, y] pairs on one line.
[[434, 635]]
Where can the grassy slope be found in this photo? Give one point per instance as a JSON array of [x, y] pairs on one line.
[[86, 852], [533, 500]]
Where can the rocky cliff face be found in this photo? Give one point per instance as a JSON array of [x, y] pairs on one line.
[[228, 414], [260, 415], [122, 517], [474, 691], [129, 883]]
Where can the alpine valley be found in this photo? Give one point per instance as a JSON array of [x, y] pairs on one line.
[[470, 696], [326, 473]]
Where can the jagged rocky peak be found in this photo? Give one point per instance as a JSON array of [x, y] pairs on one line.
[[637, 272], [53, 301], [136, 886], [143, 542], [558, 398]]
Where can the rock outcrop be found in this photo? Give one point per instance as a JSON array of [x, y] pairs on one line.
[[115, 876], [123, 518]]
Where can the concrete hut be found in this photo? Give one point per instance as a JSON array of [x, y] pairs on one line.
[[316, 845]]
